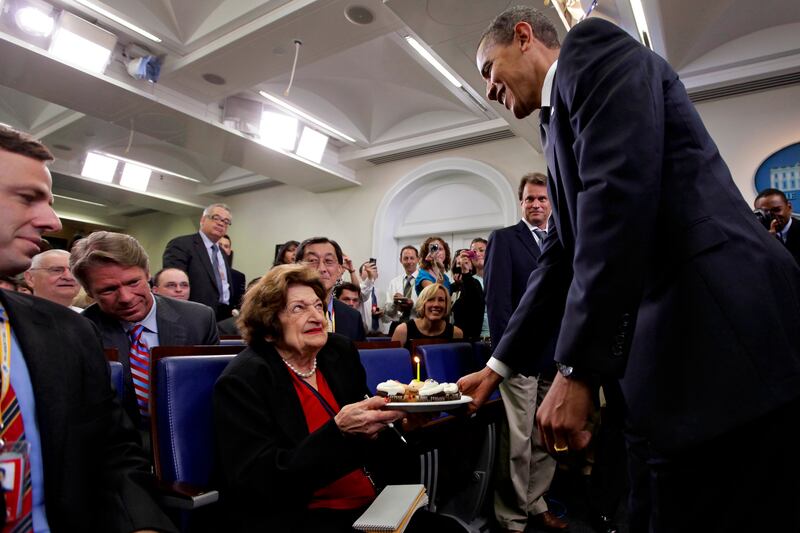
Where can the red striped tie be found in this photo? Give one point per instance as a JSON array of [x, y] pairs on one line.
[[140, 369], [13, 430]]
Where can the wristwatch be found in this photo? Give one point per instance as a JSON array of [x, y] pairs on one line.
[[564, 370]]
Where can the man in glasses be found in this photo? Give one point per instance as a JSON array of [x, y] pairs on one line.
[[200, 256], [51, 279]]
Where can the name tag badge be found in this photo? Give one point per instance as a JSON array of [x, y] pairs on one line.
[[13, 458]]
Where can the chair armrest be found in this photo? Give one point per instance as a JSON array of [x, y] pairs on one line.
[[178, 495]]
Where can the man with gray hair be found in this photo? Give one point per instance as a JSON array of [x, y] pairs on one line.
[[50, 278], [114, 270], [200, 256]]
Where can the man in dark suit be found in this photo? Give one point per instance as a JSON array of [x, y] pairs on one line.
[[325, 256], [200, 256], [655, 272], [114, 269], [783, 225], [87, 471], [525, 465]]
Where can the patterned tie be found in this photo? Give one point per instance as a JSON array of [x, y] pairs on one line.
[[540, 233], [217, 271], [140, 369], [13, 430], [407, 288]]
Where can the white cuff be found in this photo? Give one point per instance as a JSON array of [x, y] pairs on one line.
[[500, 367]]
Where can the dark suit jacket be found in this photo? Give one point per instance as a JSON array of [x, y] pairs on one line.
[[269, 463], [468, 310], [237, 287], [793, 239], [348, 322], [95, 473], [188, 253], [180, 323], [511, 255], [656, 271]]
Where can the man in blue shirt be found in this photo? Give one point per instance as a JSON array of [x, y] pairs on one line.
[[87, 472]]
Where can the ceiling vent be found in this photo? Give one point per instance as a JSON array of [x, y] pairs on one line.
[[449, 145], [747, 87]]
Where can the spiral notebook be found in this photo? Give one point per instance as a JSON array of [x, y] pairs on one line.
[[392, 509]]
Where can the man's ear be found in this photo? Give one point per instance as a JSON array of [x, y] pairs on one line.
[[29, 277], [524, 34]]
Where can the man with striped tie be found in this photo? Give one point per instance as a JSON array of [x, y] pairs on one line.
[[83, 469], [114, 270]]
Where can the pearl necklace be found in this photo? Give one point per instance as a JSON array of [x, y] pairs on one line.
[[304, 375]]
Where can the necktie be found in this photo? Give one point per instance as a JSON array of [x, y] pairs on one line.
[[140, 369], [540, 233], [13, 430], [217, 271], [375, 324], [407, 288]]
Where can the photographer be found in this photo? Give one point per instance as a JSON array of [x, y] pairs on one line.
[[776, 209], [434, 262], [469, 309]]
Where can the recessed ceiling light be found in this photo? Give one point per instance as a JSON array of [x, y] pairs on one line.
[[312, 145], [641, 22], [71, 199], [214, 79], [99, 167], [152, 167], [135, 176], [81, 43], [278, 130], [306, 116], [359, 15], [432, 60], [119, 20], [35, 20]]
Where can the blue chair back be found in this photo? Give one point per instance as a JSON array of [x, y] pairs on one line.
[[117, 381], [183, 435], [383, 364], [378, 339], [232, 342], [448, 362]]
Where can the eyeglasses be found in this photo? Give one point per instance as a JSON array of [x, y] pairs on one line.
[[313, 262], [217, 218], [53, 271]]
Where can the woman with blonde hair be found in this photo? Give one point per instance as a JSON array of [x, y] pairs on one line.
[[432, 322]]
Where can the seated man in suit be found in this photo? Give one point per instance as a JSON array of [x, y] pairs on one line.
[[173, 283], [86, 470], [326, 257], [200, 256], [113, 269]]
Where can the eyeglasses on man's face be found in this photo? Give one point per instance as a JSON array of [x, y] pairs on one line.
[[54, 270], [314, 262], [217, 218]]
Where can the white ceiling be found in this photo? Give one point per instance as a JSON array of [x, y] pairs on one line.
[[363, 79]]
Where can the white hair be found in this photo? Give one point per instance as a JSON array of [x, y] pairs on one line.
[[38, 258], [207, 210]]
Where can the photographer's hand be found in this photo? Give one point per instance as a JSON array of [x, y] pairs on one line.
[[773, 226]]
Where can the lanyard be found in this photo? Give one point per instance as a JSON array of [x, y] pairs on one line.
[[322, 400], [5, 364]]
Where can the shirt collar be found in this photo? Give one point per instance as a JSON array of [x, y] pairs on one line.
[[149, 322], [547, 86], [530, 226], [785, 231], [208, 242]]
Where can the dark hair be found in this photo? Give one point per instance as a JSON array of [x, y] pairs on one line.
[[158, 274], [24, 144], [532, 178], [424, 251], [282, 251], [501, 30], [258, 320], [301, 250], [408, 247], [772, 192], [337, 292], [479, 239]]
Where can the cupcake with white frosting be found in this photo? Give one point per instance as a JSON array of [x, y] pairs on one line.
[[451, 391], [394, 390]]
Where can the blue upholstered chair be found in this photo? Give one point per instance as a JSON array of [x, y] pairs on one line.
[[448, 362], [117, 381], [183, 436], [383, 364]]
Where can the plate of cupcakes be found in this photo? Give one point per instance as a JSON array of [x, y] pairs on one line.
[[422, 396]]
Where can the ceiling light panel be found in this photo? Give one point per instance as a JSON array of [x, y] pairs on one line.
[[641, 22], [35, 19], [305, 116], [99, 167], [135, 177], [312, 145], [432, 60], [80, 43], [278, 131], [119, 20]]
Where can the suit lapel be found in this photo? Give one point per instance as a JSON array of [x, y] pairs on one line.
[[171, 332], [528, 242], [288, 411], [38, 334], [202, 253]]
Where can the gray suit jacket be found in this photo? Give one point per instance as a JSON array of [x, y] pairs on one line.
[[180, 323]]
